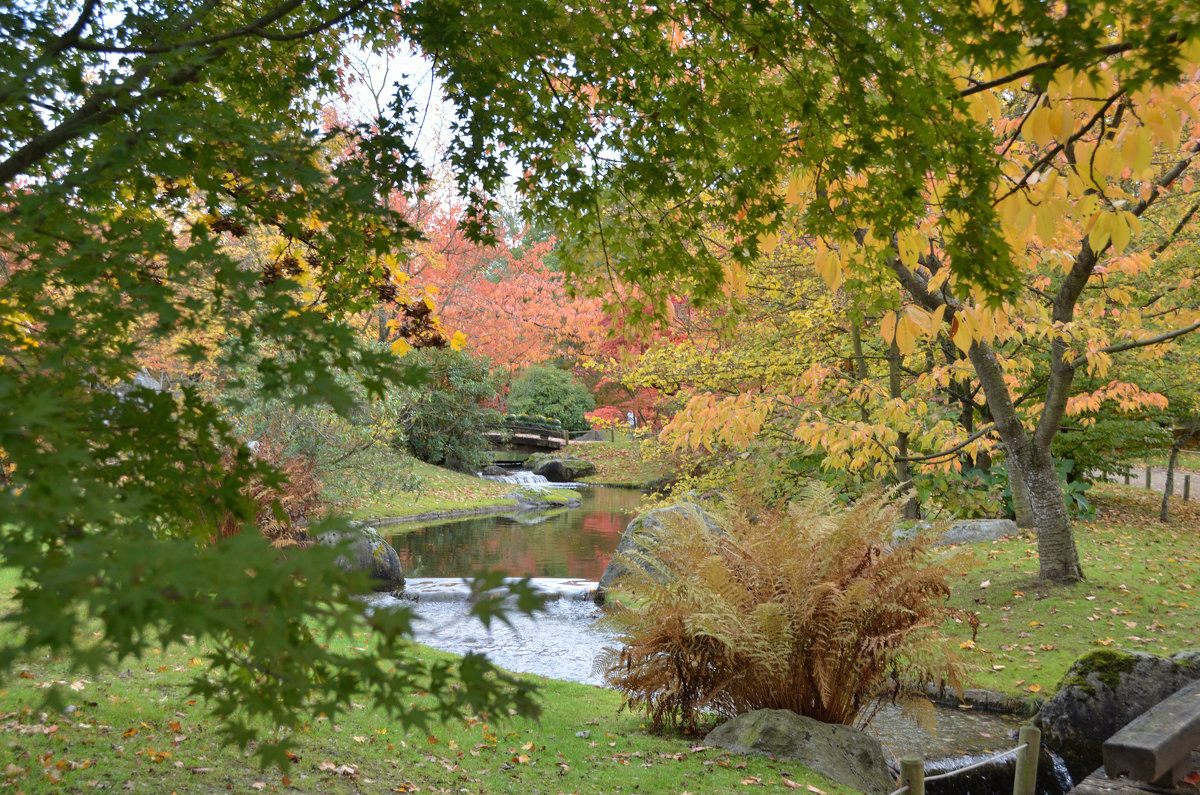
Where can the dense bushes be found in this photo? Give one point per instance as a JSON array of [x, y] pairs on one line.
[[553, 393], [442, 421], [808, 609]]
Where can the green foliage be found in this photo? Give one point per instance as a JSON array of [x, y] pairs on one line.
[[553, 393], [1107, 445], [809, 608], [970, 494], [140, 142], [1075, 490], [359, 439], [531, 420], [442, 421]]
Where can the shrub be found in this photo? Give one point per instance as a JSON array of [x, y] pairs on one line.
[[808, 609], [284, 501], [443, 420], [607, 418], [554, 393]]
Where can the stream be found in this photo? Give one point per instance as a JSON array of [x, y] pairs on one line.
[[565, 552]]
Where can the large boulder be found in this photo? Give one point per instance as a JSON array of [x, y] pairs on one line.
[[963, 531], [974, 531], [846, 755], [363, 549], [641, 533], [559, 468], [1104, 690]]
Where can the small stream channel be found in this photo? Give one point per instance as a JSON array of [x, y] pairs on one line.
[[566, 551]]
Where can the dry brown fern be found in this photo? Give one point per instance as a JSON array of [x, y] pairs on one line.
[[281, 511], [811, 609]]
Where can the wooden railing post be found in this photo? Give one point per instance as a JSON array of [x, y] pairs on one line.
[[912, 774], [1187, 487], [1148, 477], [1025, 780]]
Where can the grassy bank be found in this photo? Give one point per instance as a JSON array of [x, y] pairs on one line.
[[385, 489], [135, 728], [621, 463], [1140, 594]]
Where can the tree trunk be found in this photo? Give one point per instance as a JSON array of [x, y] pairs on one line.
[[912, 509], [1058, 559], [1022, 503], [1164, 512], [860, 362]]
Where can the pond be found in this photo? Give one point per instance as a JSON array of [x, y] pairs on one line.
[[567, 551], [575, 543]]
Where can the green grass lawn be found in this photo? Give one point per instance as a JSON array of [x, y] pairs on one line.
[[135, 728], [619, 463], [383, 490], [1140, 593]]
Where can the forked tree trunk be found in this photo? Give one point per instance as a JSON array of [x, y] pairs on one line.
[[1057, 557]]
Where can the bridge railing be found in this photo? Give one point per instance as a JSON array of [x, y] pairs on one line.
[[912, 768]]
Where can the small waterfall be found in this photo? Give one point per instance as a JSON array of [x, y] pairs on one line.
[[1061, 775], [521, 477], [996, 778]]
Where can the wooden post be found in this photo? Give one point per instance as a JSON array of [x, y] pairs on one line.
[[1025, 780], [1147, 477], [1126, 478], [912, 774], [1187, 487]]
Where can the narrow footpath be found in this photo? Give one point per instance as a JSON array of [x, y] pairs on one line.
[[1186, 481]]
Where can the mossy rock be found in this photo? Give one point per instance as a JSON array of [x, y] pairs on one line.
[[364, 550], [1103, 691], [559, 468], [540, 498], [640, 535]]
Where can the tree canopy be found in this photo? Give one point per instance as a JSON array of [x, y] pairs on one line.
[[140, 140], [941, 159]]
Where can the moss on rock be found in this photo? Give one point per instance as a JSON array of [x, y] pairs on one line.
[[1107, 665]]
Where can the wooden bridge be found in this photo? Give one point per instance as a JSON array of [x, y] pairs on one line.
[[516, 442], [1154, 753]]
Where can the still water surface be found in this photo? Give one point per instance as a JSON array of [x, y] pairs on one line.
[[576, 543]]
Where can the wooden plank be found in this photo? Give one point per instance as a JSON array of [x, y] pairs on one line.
[[1152, 744], [1100, 784]]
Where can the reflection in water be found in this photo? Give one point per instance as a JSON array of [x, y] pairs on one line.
[[574, 543]]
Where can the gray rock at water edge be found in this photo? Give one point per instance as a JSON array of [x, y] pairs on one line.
[[846, 755], [535, 498], [365, 550], [642, 531], [1103, 691], [559, 468], [494, 471]]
